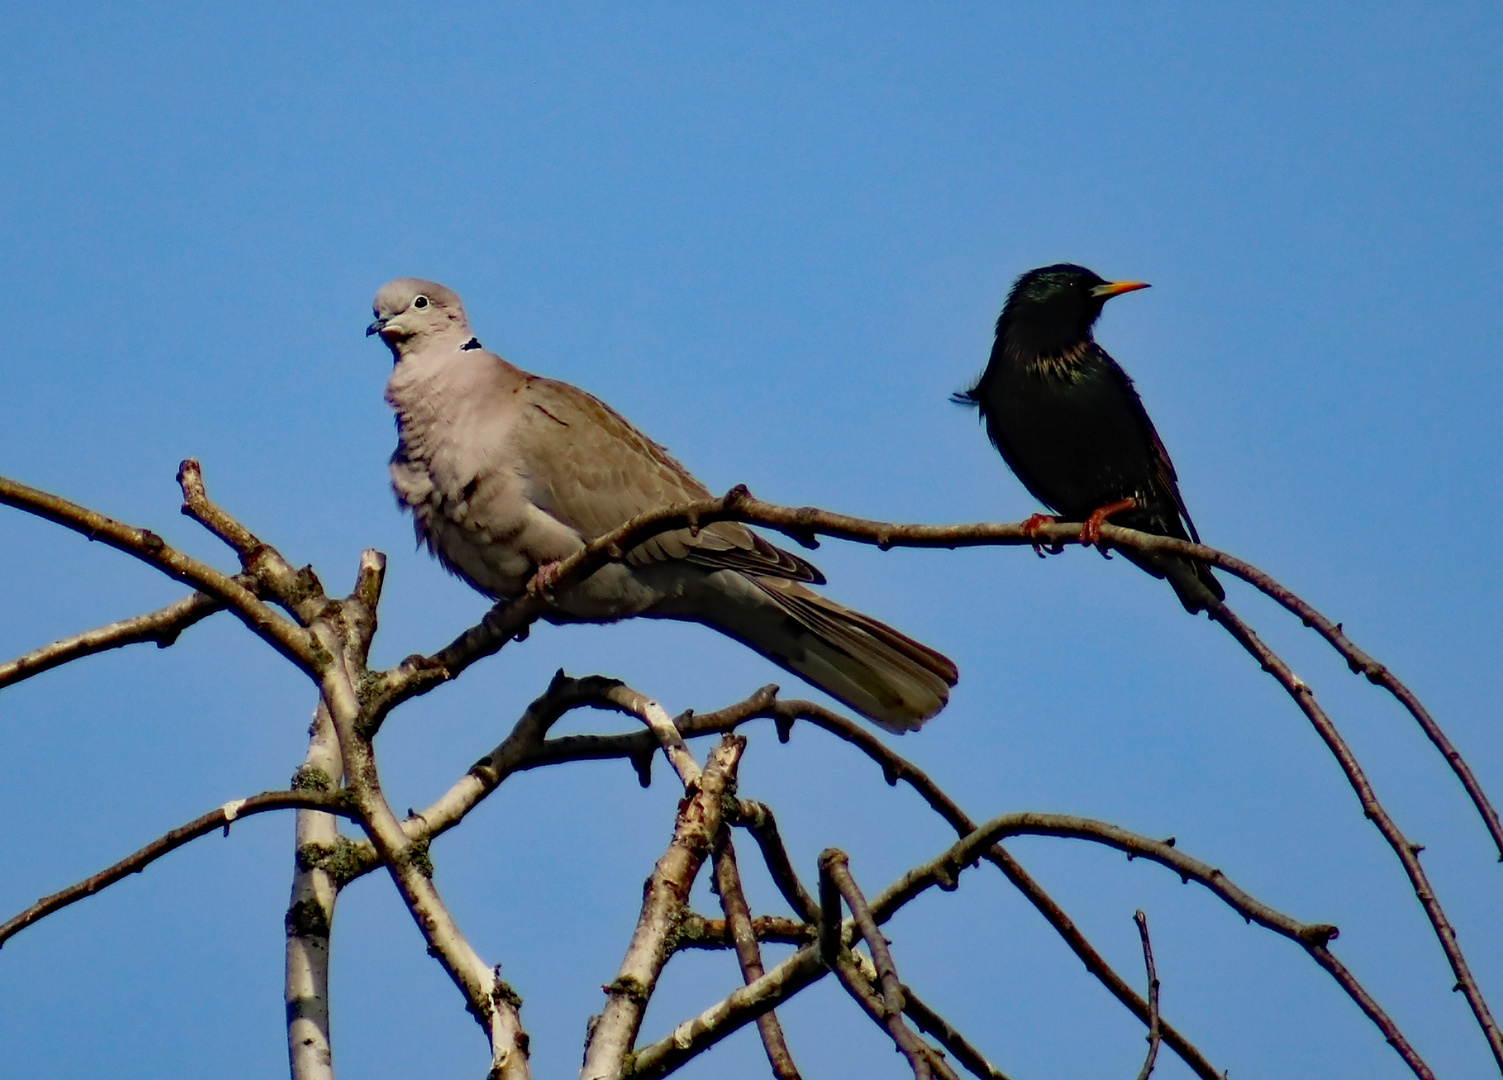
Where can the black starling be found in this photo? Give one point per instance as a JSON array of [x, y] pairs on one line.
[[1067, 420]]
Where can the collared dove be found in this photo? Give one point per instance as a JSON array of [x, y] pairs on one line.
[[506, 472]]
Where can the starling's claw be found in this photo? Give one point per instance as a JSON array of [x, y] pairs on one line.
[[1090, 532], [1031, 528]]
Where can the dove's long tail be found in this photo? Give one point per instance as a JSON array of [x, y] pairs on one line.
[[889, 678]]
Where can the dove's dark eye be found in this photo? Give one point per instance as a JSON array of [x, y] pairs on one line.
[[420, 302]]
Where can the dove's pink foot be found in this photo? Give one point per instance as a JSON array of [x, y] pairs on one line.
[[543, 581], [1031, 530], [1090, 532]]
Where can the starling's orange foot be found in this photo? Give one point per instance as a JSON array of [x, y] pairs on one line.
[[1090, 532], [1031, 529]]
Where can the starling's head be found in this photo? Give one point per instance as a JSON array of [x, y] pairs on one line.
[[1050, 310]]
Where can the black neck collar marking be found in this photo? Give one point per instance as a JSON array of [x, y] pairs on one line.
[[473, 343]]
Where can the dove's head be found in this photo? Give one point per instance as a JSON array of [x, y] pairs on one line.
[[411, 313]]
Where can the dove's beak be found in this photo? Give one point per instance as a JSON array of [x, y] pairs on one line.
[[375, 327]]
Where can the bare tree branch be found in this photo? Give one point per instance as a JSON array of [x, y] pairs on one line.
[[922, 1058], [343, 631], [738, 922], [1361, 663], [737, 1009], [417, 675], [161, 626], [835, 877], [329, 640], [1094, 962], [930, 1022], [664, 901], [494, 1005], [310, 910], [299, 591], [420, 674], [1154, 1030], [835, 864], [697, 932], [1407, 852], [944, 870], [291, 641], [218, 818], [526, 748], [757, 818], [661, 725]]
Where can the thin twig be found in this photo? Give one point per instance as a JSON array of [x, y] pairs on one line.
[[299, 591], [1094, 962], [757, 818], [291, 641], [161, 626], [930, 1022], [738, 922], [944, 870], [835, 874], [218, 818], [1154, 1030], [1407, 852]]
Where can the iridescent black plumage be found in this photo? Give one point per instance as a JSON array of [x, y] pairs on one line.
[[1067, 420]]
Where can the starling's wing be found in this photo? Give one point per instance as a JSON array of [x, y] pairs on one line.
[[1165, 513], [1166, 479], [585, 465]]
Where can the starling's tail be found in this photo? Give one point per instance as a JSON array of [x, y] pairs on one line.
[[886, 676], [1191, 578]]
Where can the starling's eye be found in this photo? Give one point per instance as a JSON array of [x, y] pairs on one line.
[[420, 302]]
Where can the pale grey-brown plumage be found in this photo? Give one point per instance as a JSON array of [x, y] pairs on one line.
[[505, 472]]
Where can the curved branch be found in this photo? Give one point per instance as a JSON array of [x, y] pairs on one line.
[[1407, 852], [218, 818], [299, 591], [886, 1007], [291, 641], [944, 870], [161, 626], [1155, 1031], [418, 674], [931, 1023]]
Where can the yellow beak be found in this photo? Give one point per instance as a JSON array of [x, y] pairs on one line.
[[1116, 288]]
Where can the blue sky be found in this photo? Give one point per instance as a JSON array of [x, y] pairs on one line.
[[776, 240]]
